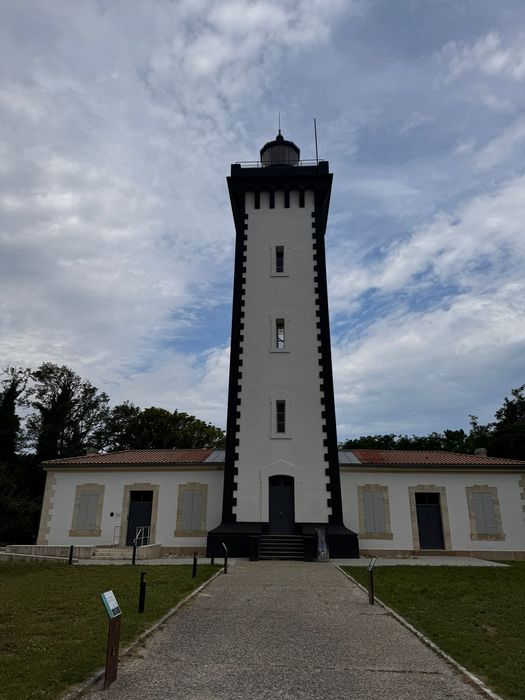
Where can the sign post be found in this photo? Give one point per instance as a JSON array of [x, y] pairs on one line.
[[114, 614], [371, 597]]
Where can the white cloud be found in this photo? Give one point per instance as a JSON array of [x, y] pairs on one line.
[[478, 246], [486, 55], [415, 120], [509, 143], [419, 372]]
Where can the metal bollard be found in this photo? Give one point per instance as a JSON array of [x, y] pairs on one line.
[[194, 571], [225, 558], [70, 555], [371, 598], [212, 562], [133, 558], [142, 593]]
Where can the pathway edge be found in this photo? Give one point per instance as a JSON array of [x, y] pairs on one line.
[[98, 675]]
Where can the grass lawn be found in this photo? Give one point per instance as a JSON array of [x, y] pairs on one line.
[[53, 625], [477, 615]]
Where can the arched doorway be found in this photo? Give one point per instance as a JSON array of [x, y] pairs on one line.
[[281, 511]]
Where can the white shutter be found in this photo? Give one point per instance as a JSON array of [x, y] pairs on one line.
[[87, 511], [484, 513], [379, 511], [369, 511], [191, 511], [374, 505]]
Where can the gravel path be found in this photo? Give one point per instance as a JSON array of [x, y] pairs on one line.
[[284, 630]]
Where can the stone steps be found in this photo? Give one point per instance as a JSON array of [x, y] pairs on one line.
[[283, 547], [113, 553]]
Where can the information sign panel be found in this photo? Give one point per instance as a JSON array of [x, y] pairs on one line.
[[111, 605]]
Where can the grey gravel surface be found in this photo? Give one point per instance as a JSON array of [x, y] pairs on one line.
[[287, 630]]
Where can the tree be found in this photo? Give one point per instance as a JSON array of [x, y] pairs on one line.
[[508, 431], [12, 388], [128, 427], [371, 442], [69, 412]]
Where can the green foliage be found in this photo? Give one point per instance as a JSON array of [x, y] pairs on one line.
[[54, 623], [19, 502], [508, 436], [13, 387], [66, 415], [68, 412], [449, 440], [128, 427], [475, 614]]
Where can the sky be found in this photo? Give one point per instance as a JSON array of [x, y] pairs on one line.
[[118, 125]]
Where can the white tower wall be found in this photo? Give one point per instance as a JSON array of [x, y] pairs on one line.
[[290, 374]]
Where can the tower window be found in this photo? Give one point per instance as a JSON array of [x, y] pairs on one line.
[[279, 259], [280, 414], [279, 333]]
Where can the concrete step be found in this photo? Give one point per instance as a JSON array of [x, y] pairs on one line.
[[283, 547], [113, 553]]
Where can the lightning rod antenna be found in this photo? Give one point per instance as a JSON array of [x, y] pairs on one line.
[[315, 135], [279, 122]]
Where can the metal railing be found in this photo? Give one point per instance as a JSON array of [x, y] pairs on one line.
[[142, 535], [116, 536], [259, 164]]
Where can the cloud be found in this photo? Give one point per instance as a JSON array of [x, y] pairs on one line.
[[406, 370], [415, 120], [419, 372], [508, 143], [486, 55], [477, 246]]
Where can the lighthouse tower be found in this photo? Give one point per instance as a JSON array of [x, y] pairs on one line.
[[281, 476]]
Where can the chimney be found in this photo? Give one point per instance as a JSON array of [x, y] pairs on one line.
[[480, 451]]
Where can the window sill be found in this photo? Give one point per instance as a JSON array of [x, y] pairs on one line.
[[279, 350], [477, 537], [85, 533], [376, 535], [279, 274], [278, 436]]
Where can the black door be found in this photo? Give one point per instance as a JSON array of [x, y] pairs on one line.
[[139, 515], [429, 523], [282, 517]]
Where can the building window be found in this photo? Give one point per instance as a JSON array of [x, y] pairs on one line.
[[374, 512], [484, 513], [192, 505], [87, 511], [279, 259], [280, 416], [279, 325], [279, 262], [279, 333]]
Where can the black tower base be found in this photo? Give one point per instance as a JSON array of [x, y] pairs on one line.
[[242, 539]]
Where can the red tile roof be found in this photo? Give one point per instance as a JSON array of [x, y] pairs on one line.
[[364, 457], [433, 457], [128, 457]]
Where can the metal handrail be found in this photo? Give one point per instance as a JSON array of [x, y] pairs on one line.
[[259, 164], [116, 535], [142, 535]]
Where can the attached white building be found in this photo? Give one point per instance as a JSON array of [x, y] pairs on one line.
[[399, 502]]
